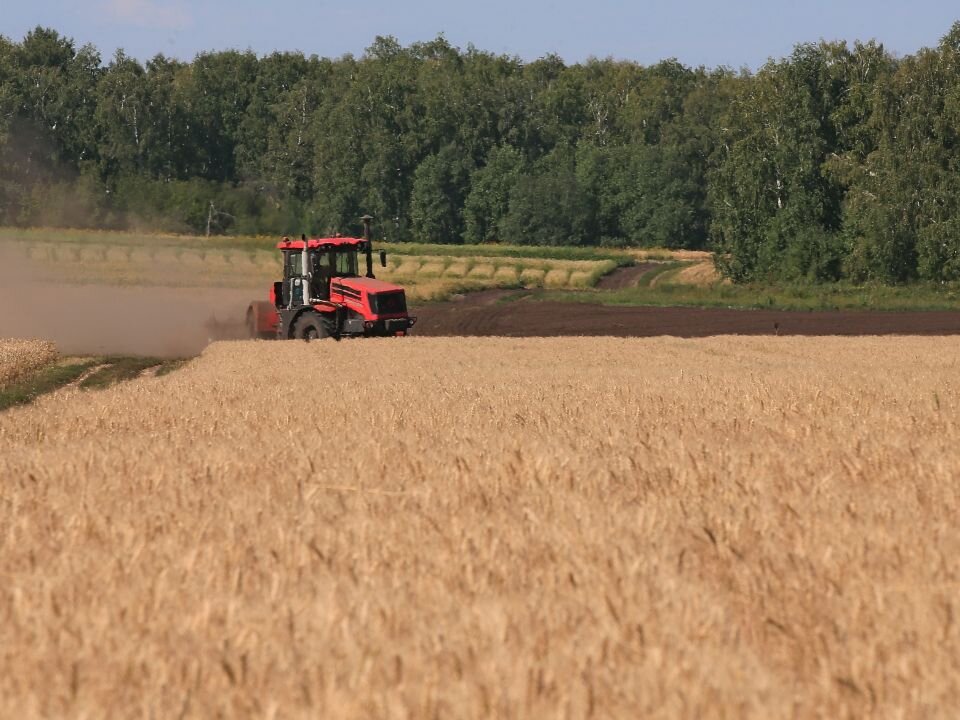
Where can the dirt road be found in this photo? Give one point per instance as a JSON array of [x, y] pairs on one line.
[[625, 277]]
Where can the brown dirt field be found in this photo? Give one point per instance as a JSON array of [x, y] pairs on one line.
[[180, 322], [480, 314]]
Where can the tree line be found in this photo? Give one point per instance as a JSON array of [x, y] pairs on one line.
[[835, 162]]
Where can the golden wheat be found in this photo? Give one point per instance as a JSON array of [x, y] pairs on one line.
[[416, 528], [666, 254], [19, 358], [700, 273]]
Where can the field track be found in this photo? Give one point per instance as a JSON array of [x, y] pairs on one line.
[[481, 314], [625, 277]]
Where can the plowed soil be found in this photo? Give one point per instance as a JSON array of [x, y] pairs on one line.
[[482, 314]]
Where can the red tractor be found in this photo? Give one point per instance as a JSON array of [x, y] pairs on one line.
[[323, 295]]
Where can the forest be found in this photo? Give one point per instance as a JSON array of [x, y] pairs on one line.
[[836, 162]]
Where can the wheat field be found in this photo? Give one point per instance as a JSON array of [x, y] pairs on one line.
[[19, 358], [472, 528]]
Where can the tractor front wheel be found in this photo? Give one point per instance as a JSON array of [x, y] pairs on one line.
[[310, 327]]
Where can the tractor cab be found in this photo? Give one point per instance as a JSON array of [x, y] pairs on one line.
[[324, 265], [309, 267]]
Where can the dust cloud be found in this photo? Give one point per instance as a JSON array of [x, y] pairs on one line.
[[106, 320]]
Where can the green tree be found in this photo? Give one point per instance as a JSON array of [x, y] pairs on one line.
[[547, 206], [770, 188], [488, 200], [216, 92], [56, 90], [123, 116], [439, 186], [276, 76]]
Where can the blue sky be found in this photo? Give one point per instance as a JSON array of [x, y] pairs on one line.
[[734, 33]]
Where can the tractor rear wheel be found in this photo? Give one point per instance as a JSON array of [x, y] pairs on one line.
[[310, 327]]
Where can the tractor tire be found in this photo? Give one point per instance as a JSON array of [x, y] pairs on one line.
[[310, 326]]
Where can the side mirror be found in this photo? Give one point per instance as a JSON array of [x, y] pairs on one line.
[[383, 258]]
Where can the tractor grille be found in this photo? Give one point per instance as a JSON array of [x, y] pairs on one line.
[[389, 303]]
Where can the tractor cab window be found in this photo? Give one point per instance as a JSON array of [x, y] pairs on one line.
[[347, 263], [322, 266], [292, 266], [321, 263]]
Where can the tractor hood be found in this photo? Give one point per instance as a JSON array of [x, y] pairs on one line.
[[382, 305], [368, 285]]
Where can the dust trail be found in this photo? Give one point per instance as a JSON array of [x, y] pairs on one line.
[[104, 319]]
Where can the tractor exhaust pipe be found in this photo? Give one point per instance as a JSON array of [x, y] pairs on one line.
[[366, 220]]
